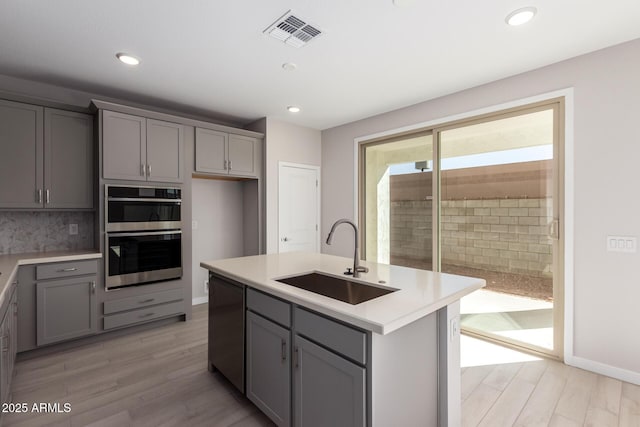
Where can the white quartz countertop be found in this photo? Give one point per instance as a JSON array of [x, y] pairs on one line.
[[9, 264], [419, 294]]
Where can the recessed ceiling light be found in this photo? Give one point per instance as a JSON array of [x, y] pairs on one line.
[[289, 66], [128, 59], [521, 16], [293, 109]]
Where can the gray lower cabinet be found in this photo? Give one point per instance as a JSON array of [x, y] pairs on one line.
[[269, 368], [140, 149], [319, 381], [66, 309], [47, 156], [57, 301], [8, 343], [328, 389]]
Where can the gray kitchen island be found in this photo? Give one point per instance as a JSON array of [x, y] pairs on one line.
[[311, 346]]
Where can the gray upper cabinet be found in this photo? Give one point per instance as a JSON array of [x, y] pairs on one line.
[[124, 146], [140, 149], [269, 368], [68, 159], [242, 155], [47, 155], [165, 151], [226, 154], [211, 151], [66, 309], [328, 389], [21, 155]]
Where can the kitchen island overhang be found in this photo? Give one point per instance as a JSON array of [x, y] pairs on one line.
[[412, 368]]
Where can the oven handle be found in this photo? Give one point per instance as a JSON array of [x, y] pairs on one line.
[[145, 233], [135, 199]]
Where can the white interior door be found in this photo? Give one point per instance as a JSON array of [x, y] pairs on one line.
[[298, 208]]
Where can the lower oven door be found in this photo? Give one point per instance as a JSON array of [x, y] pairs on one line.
[[143, 257]]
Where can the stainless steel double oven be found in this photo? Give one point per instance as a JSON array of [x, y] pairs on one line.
[[144, 235]]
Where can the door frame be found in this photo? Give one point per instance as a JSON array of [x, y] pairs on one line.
[[567, 225], [281, 165]]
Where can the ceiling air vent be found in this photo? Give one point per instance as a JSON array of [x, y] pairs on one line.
[[293, 30]]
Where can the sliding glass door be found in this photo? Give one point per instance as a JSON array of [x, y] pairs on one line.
[[488, 206]]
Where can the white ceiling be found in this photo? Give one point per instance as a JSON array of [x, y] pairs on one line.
[[211, 57]]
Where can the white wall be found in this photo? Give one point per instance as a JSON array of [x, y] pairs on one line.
[[606, 152], [287, 143], [217, 207]]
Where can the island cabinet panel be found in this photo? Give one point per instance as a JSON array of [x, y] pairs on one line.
[[269, 368], [21, 155], [328, 389]]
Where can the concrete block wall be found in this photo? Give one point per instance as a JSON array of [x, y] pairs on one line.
[[505, 235]]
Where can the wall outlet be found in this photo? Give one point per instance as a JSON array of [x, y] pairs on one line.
[[73, 229], [206, 287], [454, 329], [622, 244]]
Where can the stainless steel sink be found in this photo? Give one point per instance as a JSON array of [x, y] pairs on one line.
[[337, 288]]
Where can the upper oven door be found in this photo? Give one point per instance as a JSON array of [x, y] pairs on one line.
[[142, 208]]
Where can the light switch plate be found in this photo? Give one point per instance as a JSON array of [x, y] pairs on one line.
[[627, 244], [73, 229]]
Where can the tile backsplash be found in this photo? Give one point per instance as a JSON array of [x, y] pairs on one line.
[[45, 231]]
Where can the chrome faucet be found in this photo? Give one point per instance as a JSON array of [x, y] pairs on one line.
[[357, 269]]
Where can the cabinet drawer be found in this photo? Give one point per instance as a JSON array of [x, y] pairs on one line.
[[66, 269], [143, 315], [139, 301], [342, 339], [270, 307]]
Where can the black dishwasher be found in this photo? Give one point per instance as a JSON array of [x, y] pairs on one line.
[[226, 329]]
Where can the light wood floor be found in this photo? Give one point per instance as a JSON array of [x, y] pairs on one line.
[[159, 378]]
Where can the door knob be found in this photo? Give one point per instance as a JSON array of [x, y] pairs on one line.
[[285, 239]]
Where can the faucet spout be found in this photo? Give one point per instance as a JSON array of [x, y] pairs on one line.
[[357, 269]]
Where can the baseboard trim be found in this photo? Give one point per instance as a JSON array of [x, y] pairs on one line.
[[603, 369], [200, 300]]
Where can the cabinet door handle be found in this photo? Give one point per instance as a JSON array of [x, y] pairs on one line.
[[230, 164], [67, 270], [146, 301], [225, 165], [146, 314], [5, 343], [148, 170], [39, 195], [93, 287], [47, 196], [296, 357], [142, 169], [284, 350]]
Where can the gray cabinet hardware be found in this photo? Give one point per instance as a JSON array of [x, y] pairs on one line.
[[67, 270], [284, 350], [148, 170], [39, 196], [230, 164], [93, 287], [296, 357], [143, 169], [47, 196], [147, 300]]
